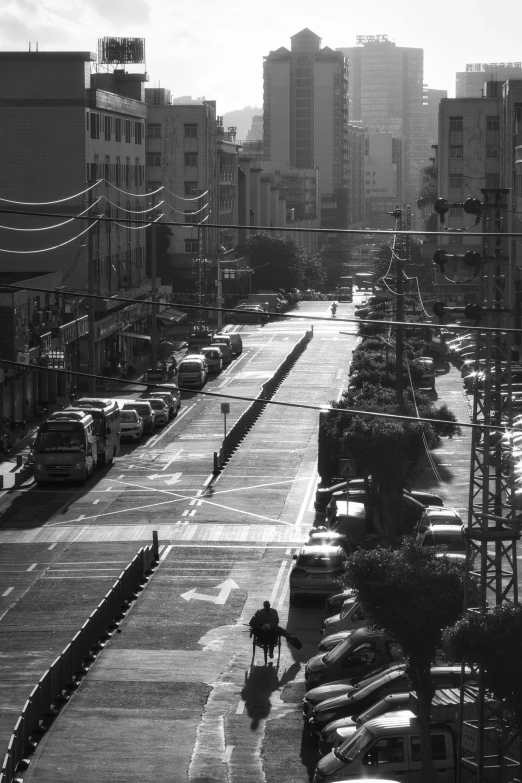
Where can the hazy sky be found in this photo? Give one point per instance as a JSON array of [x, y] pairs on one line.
[[216, 49]]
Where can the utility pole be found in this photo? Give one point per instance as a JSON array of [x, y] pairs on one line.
[[153, 325], [91, 275], [399, 310]]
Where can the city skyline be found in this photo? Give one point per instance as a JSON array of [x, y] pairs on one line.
[[197, 51]]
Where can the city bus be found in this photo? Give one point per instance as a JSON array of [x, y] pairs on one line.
[[364, 281], [107, 427], [65, 447]]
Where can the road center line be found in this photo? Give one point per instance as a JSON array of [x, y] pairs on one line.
[[32, 566], [304, 504], [9, 590], [277, 581]]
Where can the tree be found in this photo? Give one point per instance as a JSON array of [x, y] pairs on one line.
[[412, 595], [493, 640], [277, 262]]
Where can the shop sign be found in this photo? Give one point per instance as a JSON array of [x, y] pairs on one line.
[[56, 360], [492, 66], [74, 329], [122, 319], [364, 39]]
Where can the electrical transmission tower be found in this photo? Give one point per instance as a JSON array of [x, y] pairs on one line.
[[486, 752]]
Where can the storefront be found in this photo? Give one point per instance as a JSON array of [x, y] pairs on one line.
[[112, 349]]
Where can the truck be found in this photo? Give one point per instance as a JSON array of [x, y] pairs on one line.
[[389, 745], [345, 290]]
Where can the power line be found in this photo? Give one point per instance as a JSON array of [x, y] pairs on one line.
[[54, 247], [56, 225], [300, 405], [343, 231], [57, 201]]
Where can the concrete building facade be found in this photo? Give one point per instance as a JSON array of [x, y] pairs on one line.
[[471, 82], [386, 96], [305, 117]]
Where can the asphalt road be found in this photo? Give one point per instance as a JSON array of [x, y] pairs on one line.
[[178, 695]]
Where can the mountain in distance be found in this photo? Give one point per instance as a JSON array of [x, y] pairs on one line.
[[241, 119]]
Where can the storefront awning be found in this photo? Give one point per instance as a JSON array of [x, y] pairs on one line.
[[171, 316], [134, 336]]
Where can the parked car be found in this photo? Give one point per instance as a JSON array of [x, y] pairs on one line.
[[223, 343], [338, 731], [161, 409], [236, 342], [364, 651], [393, 681], [172, 397], [319, 694], [451, 537], [213, 357], [328, 643], [350, 617], [437, 516], [412, 509], [144, 409], [334, 603], [131, 425], [156, 374], [321, 535], [315, 572], [248, 314], [192, 371]]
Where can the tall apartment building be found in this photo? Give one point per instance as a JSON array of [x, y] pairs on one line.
[[386, 96], [357, 137], [182, 155], [305, 118], [432, 99], [65, 128], [470, 83]]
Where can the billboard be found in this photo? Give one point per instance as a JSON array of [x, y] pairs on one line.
[[121, 51]]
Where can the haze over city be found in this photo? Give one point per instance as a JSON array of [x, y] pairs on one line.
[[216, 50]]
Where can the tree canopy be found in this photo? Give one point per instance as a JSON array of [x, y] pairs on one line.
[[412, 595], [282, 263]]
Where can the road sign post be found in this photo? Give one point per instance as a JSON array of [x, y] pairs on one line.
[[225, 408]]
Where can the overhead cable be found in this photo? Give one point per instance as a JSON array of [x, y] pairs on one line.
[[271, 229], [56, 225], [56, 201], [300, 405], [48, 249]]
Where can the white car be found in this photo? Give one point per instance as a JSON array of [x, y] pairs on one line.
[[131, 425], [434, 515], [161, 409], [192, 371], [213, 357]]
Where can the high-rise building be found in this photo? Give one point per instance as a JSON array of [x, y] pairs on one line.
[[470, 83], [305, 118], [386, 95], [432, 99]]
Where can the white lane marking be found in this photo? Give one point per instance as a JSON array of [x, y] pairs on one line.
[[208, 480], [240, 707], [32, 566], [94, 502], [108, 489], [9, 590], [277, 581], [172, 458], [52, 546], [306, 498], [288, 551], [192, 513], [161, 548], [122, 476], [184, 513], [165, 554], [82, 516], [192, 502], [227, 754], [283, 595], [156, 439]]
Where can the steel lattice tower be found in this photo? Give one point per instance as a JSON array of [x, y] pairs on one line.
[[486, 747]]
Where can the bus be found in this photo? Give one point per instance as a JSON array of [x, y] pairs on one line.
[[364, 281], [107, 427], [65, 447]]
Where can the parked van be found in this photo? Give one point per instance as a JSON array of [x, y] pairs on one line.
[[66, 447], [236, 343], [362, 652], [223, 342], [350, 618], [389, 747], [349, 519]]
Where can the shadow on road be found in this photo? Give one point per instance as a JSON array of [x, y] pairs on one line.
[[309, 752], [260, 683]]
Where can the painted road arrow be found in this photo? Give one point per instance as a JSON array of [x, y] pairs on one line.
[[170, 478], [225, 590]]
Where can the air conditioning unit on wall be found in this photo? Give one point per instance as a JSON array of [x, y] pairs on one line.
[[22, 357]]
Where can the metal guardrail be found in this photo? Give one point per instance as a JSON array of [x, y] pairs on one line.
[[247, 418], [63, 676]]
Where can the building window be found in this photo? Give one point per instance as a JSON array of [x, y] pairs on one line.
[[137, 172], [190, 216], [191, 246], [138, 132], [127, 172], [491, 152], [492, 123], [118, 171], [107, 170], [455, 123], [190, 131], [86, 120], [154, 159], [455, 182], [455, 211], [455, 239], [456, 153], [493, 181], [191, 189], [118, 128], [128, 126], [95, 126], [191, 158], [107, 127], [153, 185], [153, 131]]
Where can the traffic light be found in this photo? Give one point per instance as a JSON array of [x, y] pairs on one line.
[[472, 206], [473, 311], [473, 259], [440, 257], [440, 309]]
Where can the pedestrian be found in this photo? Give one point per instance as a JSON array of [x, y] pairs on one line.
[[267, 620]]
